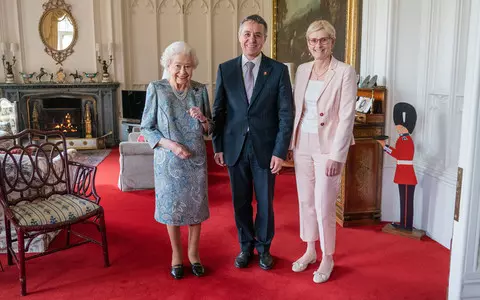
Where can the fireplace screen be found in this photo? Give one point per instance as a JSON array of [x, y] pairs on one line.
[[72, 116]]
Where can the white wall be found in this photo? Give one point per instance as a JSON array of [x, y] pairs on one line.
[[418, 50], [139, 29], [210, 26]]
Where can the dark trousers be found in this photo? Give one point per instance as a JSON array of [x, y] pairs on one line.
[[245, 177], [406, 205]]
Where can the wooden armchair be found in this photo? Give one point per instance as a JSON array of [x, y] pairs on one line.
[[42, 191]]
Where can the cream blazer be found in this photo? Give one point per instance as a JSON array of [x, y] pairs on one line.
[[335, 108]]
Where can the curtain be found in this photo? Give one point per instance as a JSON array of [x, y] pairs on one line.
[[50, 27]]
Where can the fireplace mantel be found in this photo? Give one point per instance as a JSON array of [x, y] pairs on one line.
[[105, 95]]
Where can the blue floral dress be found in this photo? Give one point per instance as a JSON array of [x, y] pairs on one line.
[[181, 192]]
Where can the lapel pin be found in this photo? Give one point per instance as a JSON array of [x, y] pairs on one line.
[[264, 73]]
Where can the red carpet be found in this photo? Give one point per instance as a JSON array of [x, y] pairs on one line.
[[369, 264]]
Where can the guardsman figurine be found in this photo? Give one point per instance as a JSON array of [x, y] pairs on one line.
[[404, 117]]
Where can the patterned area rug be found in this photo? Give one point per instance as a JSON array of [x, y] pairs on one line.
[[91, 157]]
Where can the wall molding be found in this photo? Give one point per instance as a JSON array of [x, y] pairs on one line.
[[253, 4], [140, 86], [187, 12], [230, 5], [3, 25], [444, 176], [471, 286], [452, 153], [425, 169], [203, 5], [438, 100], [164, 3], [391, 56], [148, 4], [422, 67]]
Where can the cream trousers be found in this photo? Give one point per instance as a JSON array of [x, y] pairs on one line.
[[317, 193]]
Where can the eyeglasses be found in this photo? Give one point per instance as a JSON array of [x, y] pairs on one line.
[[322, 41]]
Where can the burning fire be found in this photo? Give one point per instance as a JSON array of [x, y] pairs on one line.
[[66, 126]]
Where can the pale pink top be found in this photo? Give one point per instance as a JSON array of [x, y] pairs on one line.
[[309, 121]]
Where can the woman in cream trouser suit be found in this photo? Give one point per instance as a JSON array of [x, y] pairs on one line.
[[325, 92]]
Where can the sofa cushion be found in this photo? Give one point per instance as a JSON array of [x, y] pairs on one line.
[[134, 148], [56, 209]]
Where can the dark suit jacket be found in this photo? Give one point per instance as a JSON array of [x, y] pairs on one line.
[[269, 117]]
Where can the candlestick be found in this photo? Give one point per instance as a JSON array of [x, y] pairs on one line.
[[110, 48], [13, 48]]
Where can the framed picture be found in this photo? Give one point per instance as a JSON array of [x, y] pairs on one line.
[[291, 19]]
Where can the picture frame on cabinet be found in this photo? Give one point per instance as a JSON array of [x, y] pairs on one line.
[[363, 104]]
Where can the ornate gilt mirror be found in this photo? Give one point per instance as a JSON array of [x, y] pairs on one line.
[[58, 30]]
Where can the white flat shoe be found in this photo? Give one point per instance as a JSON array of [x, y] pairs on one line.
[[319, 277], [300, 267]]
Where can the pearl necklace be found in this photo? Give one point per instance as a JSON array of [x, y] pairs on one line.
[[180, 95]]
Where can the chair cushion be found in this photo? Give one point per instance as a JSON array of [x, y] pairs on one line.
[[56, 209], [5, 143]]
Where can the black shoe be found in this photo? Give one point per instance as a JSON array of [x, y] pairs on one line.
[[266, 261], [177, 271], [399, 226], [197, 269], [242, 259]]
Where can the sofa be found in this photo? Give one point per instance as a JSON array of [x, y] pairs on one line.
[[136, 164]]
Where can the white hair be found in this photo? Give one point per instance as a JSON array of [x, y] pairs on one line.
[[175, 48]]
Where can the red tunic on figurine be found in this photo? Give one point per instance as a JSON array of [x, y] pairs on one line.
[[403, 152]]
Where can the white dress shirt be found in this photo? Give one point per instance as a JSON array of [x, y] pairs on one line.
[[309, 122], [257, 60]]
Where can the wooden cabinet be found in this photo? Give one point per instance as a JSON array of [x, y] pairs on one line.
[[359, 200]]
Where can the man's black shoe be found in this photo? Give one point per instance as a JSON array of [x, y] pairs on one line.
[[266, 261], [242, 259]]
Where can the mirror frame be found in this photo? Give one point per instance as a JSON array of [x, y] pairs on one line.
[[58, 55]]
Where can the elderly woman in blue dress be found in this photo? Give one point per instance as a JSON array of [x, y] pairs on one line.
[[175, 120]]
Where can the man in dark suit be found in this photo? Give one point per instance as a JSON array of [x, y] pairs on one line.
[[253, 117]]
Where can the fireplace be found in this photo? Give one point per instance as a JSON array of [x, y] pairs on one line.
[[83, 112], [74, 116]]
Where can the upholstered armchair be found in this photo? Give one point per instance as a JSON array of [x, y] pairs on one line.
[[42, 191], [136, 164], [40, 242]]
